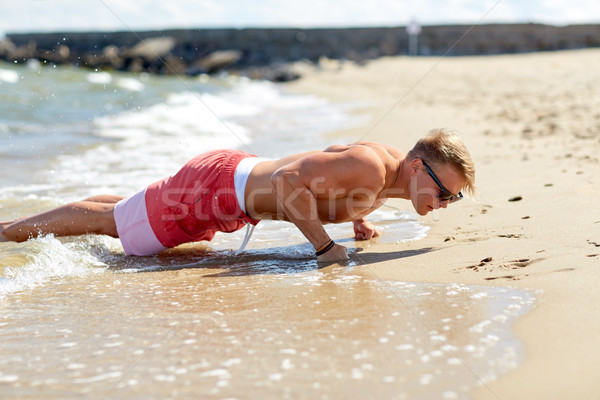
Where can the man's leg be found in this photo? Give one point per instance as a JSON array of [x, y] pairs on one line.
[[92, 215], [105, 198]]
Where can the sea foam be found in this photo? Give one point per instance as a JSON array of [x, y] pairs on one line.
[[45, 258], [9, 76]]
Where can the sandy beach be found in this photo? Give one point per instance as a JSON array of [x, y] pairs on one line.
[[532, 124]]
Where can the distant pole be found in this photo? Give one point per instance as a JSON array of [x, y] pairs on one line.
[[413, 29]]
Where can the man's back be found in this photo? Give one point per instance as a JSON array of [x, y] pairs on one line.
[[347, 181]]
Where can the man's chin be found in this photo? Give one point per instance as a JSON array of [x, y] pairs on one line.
[[425, 210]]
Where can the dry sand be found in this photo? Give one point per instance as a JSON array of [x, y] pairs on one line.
[[532, 124]]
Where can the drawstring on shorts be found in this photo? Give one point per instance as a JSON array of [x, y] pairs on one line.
[[249, 231]]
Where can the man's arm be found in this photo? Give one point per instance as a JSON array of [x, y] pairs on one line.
[[325, 176]]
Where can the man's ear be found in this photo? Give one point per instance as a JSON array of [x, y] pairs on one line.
[[415, 165]]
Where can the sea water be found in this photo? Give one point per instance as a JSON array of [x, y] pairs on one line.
[[78, 319]]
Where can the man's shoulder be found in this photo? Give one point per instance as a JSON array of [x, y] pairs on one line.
[[383, 152], [364, 154], [376, 146]]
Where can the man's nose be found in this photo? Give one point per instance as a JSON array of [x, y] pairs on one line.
[[443, 203]]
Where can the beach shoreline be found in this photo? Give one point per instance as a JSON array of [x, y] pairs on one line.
[[531, 124]]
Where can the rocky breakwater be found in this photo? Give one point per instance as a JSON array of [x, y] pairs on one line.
[[269, 53]]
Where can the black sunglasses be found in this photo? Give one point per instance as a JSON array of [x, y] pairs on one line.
[[445, 194]]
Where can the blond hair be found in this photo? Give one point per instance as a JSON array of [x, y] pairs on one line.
[[444, 147]]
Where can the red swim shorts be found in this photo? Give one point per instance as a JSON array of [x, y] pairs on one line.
[[197, 201]]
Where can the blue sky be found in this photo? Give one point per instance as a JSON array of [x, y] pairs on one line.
[[69, 15]]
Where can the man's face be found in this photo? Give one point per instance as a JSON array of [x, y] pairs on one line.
[[424, 190]]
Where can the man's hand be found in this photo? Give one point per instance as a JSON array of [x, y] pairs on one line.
[[336, 253], [364, 230]]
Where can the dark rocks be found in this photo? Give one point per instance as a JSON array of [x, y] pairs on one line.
[[151, 49], [215, 61], [282, 74], [268, 53], [7, 49], [22, 53]]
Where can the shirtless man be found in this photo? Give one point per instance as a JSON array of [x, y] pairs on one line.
[[225, 190]]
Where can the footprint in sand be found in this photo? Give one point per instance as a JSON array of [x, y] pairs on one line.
[[512, 235], [487, 265]]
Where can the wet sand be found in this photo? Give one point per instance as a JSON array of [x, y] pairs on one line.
[[194, 327], [532, 125]]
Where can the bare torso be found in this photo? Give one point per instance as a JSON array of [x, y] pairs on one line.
[[335, 203]]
